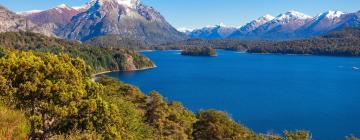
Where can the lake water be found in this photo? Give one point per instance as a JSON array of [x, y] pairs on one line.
[[267, 93]]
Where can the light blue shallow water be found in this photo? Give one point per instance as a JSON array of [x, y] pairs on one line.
[[267, 93]]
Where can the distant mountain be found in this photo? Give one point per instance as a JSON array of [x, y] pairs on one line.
[[243, 31], [287, 26], [212, 32], [53, 19], [351, 20], [128, 18], [186, 31], [60, 15], [11, 22], [322, 23], [283, 26]]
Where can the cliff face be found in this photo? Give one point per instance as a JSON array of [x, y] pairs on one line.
[[131, 61]]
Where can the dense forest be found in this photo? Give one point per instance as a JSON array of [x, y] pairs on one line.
[[118, 42], [199, 51], [341, 43], [99, 58]]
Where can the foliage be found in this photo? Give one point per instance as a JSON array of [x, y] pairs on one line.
[[199, 51], [215, 125], [58, 96], [118, 42], [170, 120], [297, 135], [99, 58]]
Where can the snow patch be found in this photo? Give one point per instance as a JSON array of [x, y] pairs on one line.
[[126, 3]]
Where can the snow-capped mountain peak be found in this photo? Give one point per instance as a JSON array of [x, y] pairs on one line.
[[185, 30], [267, 17], [222, 25], [332, 14], [293, 15], [125, 3], [64, 6]]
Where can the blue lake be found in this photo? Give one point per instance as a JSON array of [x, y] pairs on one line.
[[267, 93]]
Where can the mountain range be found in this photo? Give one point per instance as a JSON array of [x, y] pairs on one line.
[[136, 21], [285, 26]]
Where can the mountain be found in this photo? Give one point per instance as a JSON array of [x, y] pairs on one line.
[[212, 32], [283, 26], [322, 23], [186, 31], [11, 22], [351, 20], [53, 19], [251, 26], [128, 18]]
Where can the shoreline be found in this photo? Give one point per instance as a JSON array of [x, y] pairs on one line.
[[95, 75]]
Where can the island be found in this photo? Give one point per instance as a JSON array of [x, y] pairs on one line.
[[199, 51]]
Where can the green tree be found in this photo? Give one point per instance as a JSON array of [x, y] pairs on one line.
[[48, 88], [170, 120], [215, 125], [298, 135]]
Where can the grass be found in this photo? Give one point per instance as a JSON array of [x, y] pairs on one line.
[[13, 125]]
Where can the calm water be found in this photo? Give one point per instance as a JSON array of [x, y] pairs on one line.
[[267, 93]]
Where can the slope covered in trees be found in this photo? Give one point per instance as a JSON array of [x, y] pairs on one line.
[[199, 51], [99, 58], [341, 43], [60, 101], [118, 42]]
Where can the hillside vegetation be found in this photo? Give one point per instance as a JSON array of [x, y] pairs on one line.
[[199, 51], [99, 58]]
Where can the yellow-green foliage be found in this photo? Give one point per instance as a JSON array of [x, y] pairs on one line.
[[99, 58], [298, 135], [13, 124], [217, 125]]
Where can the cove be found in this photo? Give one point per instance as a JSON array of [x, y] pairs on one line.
[[267, 93]]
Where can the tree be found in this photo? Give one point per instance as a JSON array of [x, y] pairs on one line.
[[170, 120], [215, 125], [297, 135], [49, 88]]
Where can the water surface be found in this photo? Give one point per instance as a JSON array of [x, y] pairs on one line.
[[267, 93]]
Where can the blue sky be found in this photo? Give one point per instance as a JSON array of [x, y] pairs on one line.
[[199, 13]]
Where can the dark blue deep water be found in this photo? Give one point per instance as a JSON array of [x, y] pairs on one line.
[[267, 93]]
